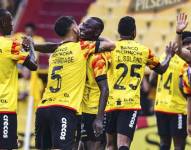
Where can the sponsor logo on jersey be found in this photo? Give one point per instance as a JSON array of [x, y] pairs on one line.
[[4, 101]]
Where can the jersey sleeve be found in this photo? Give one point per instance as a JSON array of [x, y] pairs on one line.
[[16, 52], [87, 47], [185, 83], [100, 64], [152, 60]]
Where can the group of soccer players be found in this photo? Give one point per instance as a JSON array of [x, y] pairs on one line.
[[95, 83]]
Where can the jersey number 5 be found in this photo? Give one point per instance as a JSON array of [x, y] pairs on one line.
[[133, 73], [56, 76]]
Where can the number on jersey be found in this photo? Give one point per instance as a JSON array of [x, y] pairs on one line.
[[133, 73], [55, 76]]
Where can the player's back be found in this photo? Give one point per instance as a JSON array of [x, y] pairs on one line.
[[66, 77], [126, 73]]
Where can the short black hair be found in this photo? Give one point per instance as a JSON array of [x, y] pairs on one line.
[[100, 22], [186, 34], [63, 24], [126, 26], [30, 25], [3, 12], [186, 41]]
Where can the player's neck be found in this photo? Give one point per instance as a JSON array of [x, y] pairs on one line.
[[69, 39], [122, 37], [5, 34]]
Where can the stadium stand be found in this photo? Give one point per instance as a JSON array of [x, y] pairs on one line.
[[45, 12], [158, 25]]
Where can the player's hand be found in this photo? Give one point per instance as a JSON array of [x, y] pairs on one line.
[[98, 127], [189, 130], [171, 49], [182, 22], [27, 42]]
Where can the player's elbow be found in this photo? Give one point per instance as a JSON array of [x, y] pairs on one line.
[[160, 70], [33, 67], [30, 64]]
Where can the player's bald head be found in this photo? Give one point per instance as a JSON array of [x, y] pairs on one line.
[[91, 28]]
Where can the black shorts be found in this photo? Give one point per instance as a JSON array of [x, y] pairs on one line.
[[78, 130], [171, 124], [55, 128], [122, 122], [87, 132], [8, 131]]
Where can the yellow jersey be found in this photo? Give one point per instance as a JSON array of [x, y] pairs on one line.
[[126, 73], [169, 98], [67, 75], [97, 67], [185, 82], [10, 54]]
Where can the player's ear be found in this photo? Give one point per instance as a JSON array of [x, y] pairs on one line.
[[134, 33]]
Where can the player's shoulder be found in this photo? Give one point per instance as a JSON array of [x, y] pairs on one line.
[[9, 44], [131, 43], [106, 56], [142, 46], [184, 69], [99, 58], [69, 44], [18, 35], [86, 44]]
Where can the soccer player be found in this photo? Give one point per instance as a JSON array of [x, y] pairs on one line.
[[185, 84], [11, 53], [126, 72], [170, 109], [96, 90], [56, 114], [185, 79]]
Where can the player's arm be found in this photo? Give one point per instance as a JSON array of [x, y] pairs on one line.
[[185, 54], [104, 45], [100, 64], [170, 51], [104, 93], [47, 47], [180, 27], [30, 60], [153, 79]]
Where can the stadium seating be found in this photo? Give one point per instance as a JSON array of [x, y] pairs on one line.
[[45, 12], [154, 29]]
